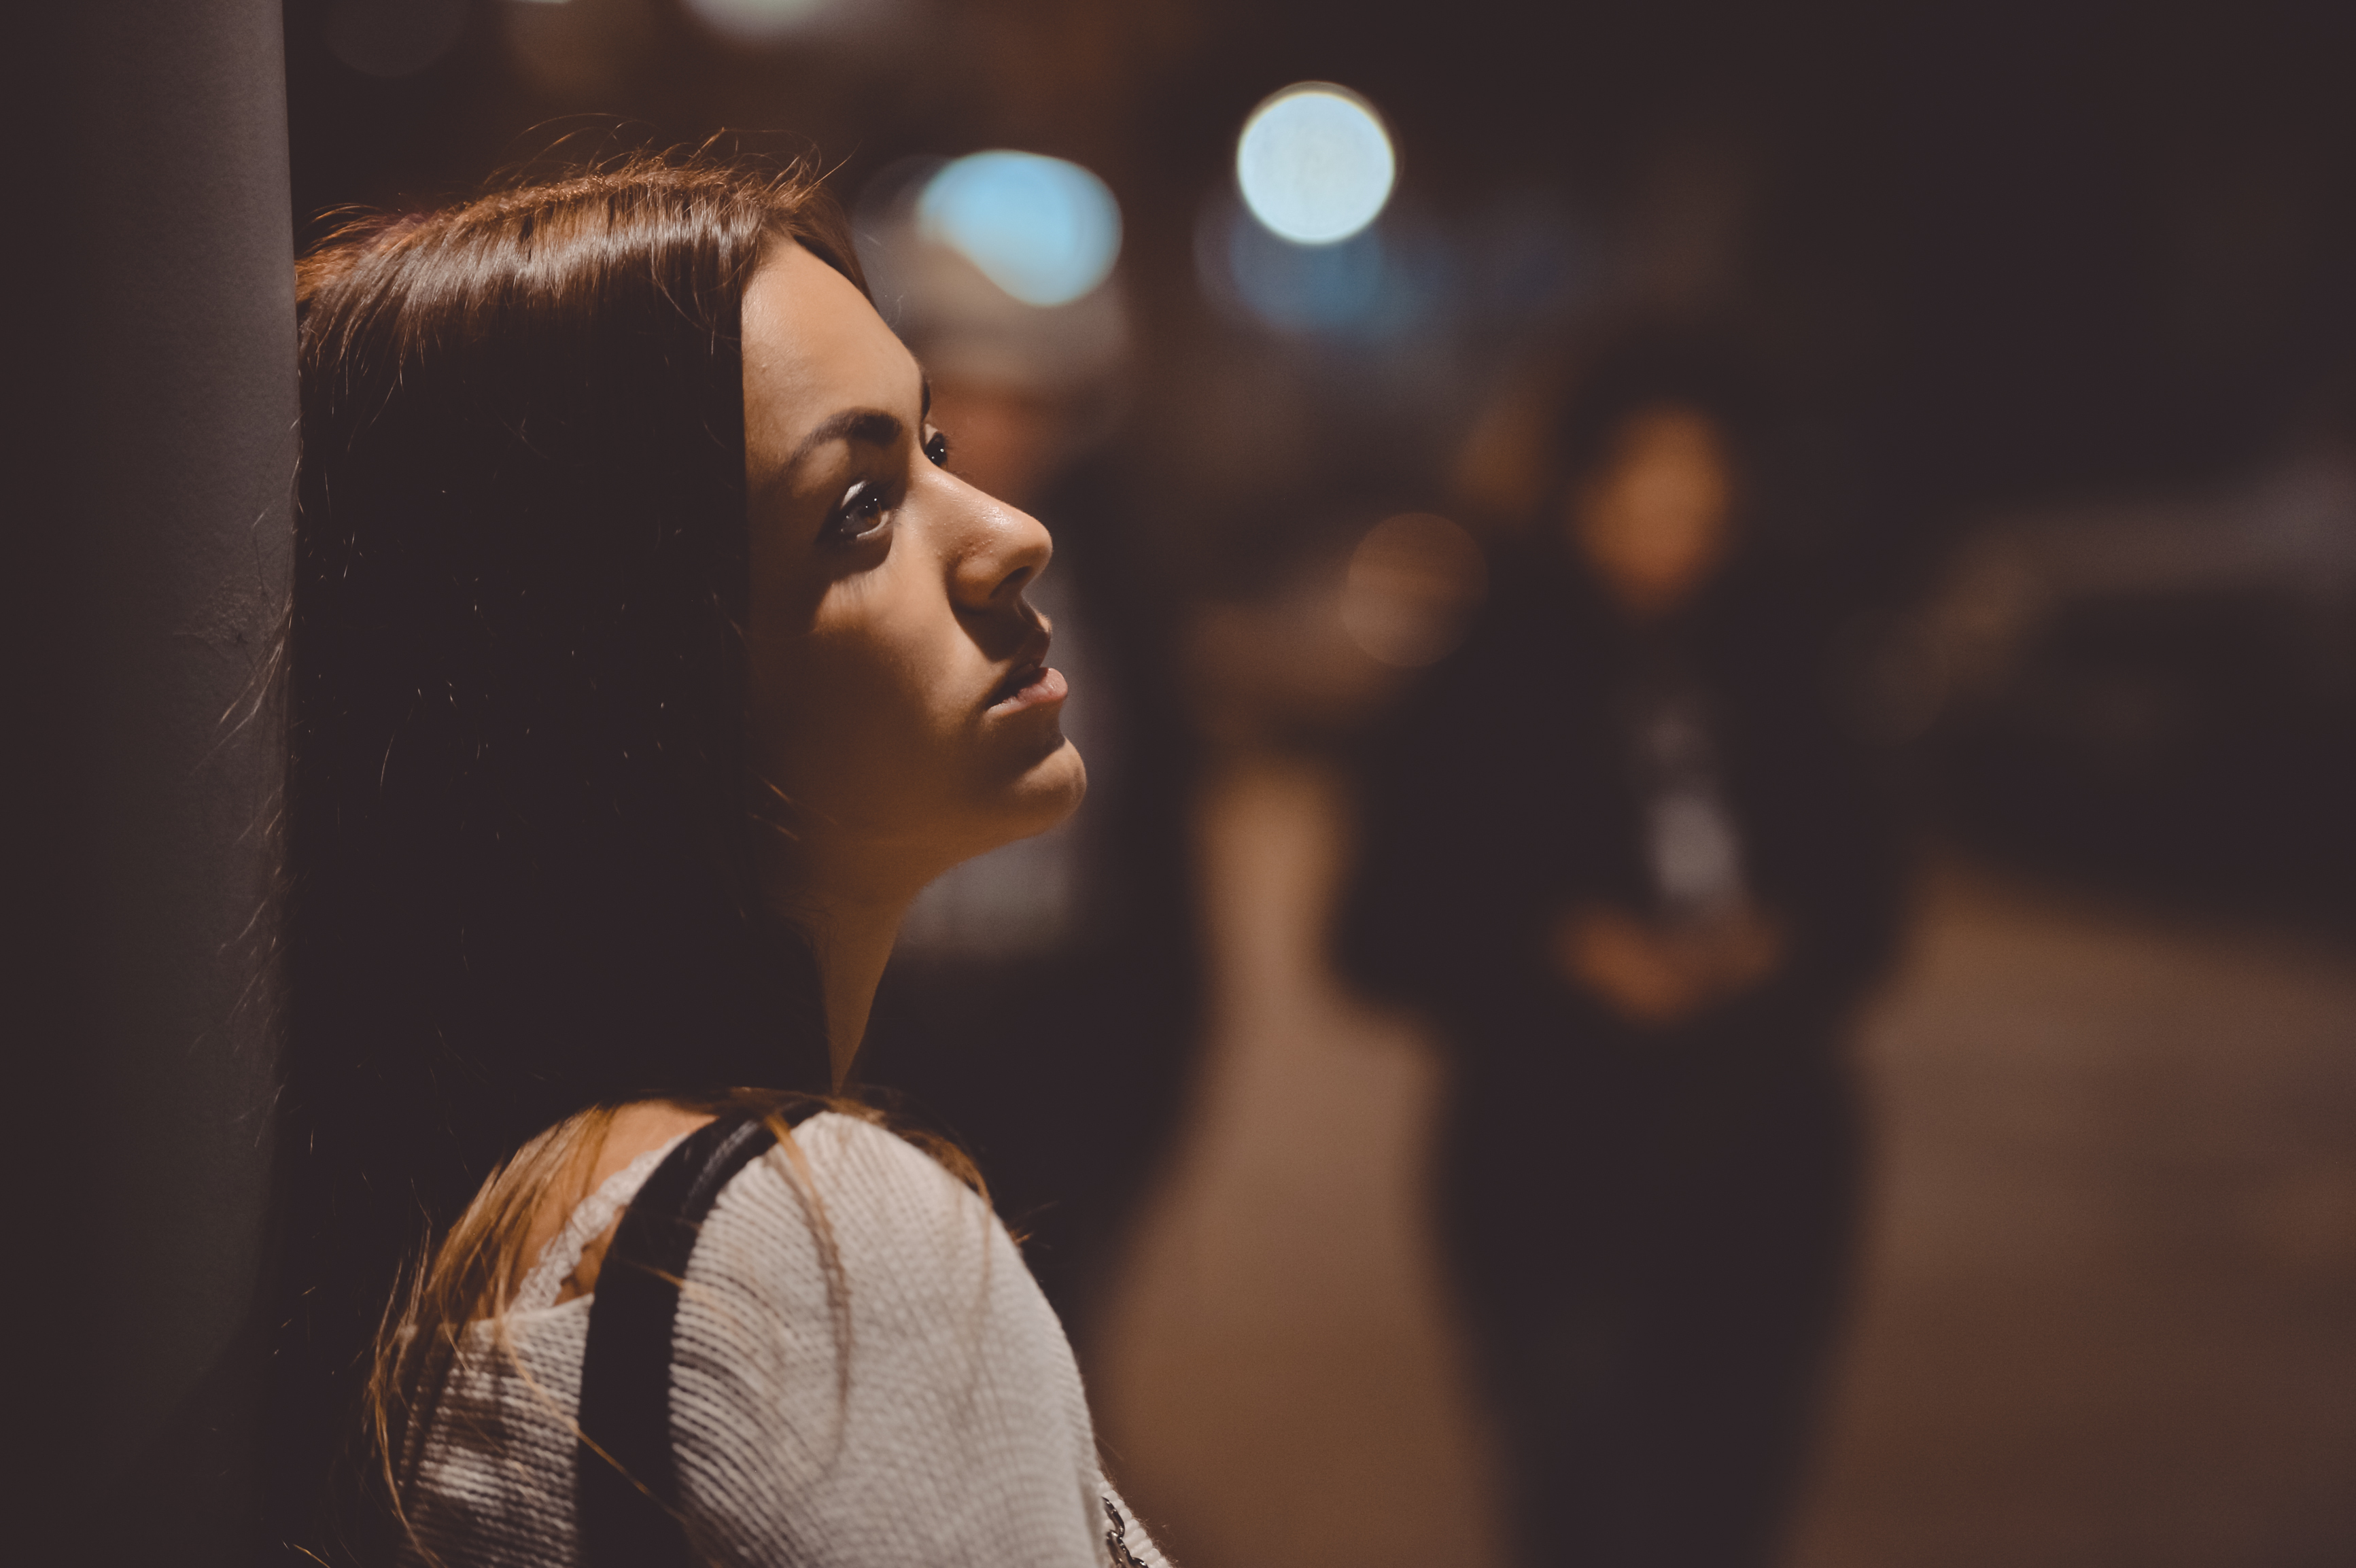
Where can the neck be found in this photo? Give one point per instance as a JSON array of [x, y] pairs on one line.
[[852, 939], [848, 896]]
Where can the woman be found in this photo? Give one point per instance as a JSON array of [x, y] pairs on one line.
[[1622, 853], [646, 660]]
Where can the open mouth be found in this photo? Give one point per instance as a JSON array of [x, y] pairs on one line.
[[1031, 683], [1019, 679]]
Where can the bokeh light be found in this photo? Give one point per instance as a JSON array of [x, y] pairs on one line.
[[1314, 163], [1295, 288], [577, 50], [757, 21], [1045, 231], [1385, 283], [1414, 584]]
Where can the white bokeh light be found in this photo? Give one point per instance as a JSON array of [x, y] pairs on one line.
[[1044, 231], [1315, 163], [758, 21]]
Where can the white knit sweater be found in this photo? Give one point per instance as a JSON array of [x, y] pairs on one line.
[[957, 1434]]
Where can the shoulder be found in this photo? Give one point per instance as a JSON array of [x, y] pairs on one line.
[[849, 1149], [851, 1203], [867, 1168], [594, 1151], [850, 1245], [861, 1353], [840, 1187]]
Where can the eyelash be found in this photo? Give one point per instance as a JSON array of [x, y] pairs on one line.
[[865, 507], [869, 500]]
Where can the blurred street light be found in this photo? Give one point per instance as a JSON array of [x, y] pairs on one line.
[[758, 21], [1294, 288], [1314, 163], [1045, 231]]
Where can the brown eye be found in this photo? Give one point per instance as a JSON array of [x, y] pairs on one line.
[[864, 510], [937, 448]]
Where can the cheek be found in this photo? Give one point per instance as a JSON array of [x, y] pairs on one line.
[[860, 725]]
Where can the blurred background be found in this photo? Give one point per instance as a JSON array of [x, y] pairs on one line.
[[2046, 314], [2043, 500]]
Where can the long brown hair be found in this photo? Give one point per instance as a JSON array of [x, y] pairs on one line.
[[516, 830]]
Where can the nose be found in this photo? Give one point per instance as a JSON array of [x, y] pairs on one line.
[[1000, 550]]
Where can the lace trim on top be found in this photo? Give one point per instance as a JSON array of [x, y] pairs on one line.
[[589, 1219]]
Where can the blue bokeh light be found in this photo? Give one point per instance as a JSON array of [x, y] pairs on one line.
[[1314, 163], [1302, 288], [1381, 285], [1045, 231]]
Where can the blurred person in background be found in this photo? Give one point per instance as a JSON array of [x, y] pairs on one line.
[[1041, 1005], [1622, 853]]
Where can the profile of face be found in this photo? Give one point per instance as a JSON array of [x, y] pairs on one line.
[[899, 703], [1654, 521]]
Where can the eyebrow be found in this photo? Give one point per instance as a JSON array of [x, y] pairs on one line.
[[868, 427]]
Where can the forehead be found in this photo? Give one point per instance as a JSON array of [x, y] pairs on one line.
[[813, 348]]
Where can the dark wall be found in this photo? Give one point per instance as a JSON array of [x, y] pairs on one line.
[[155, 389]]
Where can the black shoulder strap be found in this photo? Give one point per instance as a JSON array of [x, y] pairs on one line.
[[627, 1486]]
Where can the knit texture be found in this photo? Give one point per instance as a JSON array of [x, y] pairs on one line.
[[953, 1431]]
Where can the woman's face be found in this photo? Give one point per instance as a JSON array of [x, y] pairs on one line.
[[900, 705], [1653, 524]]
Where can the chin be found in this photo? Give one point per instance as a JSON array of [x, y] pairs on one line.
[[1048, 794]]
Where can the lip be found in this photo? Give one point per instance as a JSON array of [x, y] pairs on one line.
[[1029, 684], [1028, 681]]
